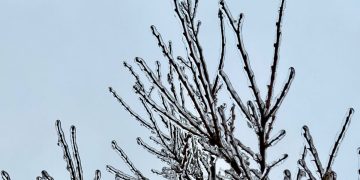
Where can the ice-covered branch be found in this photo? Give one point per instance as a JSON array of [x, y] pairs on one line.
[[244, 55], [5, 175], [222, 54], [76, 155], [276, 56], [67, 155], [127, 161], [313, 150], [339, 139], [97, 175], [44, 176], [287, 174]]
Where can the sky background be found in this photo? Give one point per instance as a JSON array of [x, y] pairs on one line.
[[58, 57]]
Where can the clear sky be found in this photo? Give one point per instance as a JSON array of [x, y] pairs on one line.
[[57, 58]]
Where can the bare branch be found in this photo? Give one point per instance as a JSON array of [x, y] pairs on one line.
[[240, 45], [283, 93], [234, 94], [301, 173], [276, 56], [97, 175], [277, 138], [76, 155], [119, 174], [222, 54], [128, 109], [126, 160], [5, 175], [287, 174], [313, 151], [67, 156], [303, 164], [273, 164], [339, 140]]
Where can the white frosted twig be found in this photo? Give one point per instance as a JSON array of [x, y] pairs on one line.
[[222, 54], [287, 174], [159, 154], [5, 175], [301, 173], [277, 138], [339, 139], [276, 56], [182, 79], [302, 163], [97, 175], [234, 94], [162, 89], [119, 174], [283, 93], [76, 154], [177, 122], [67, 156], [127, 160], [273, 164], [45, 176], [128, 109], [313, 151], [244, 55]]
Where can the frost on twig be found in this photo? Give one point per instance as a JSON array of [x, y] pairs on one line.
[[327, 173], [191, 129], [44, 176], [5, 175], [73, 162]]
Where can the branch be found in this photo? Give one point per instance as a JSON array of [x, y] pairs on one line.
[[222, 54], [277, 138], [5, 175], [128, 109], [97, 175], [339, 140], [76, 154], [301, 172], [181, 77], [283, 93], [67, 156], [44, 176], [273, 164], [119, 174], [302, 163], [240, 45], [313, 151], [276, 56], [127, 160], [287, 174], [234, 94]]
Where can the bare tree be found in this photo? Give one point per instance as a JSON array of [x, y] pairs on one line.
[[191, 126], [192, 129]]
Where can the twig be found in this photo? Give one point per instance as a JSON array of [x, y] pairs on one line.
[[76, 154], [339, 140], [276, 56], [67, 156], [5, 175], [127, 160]]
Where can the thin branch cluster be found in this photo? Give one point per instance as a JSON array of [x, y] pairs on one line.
[[191, 128], [73, 161]]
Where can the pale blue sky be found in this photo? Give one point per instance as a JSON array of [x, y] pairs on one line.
[[57, 58]]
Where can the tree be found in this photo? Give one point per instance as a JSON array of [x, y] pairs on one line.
[[192, 126], [191, 141]]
